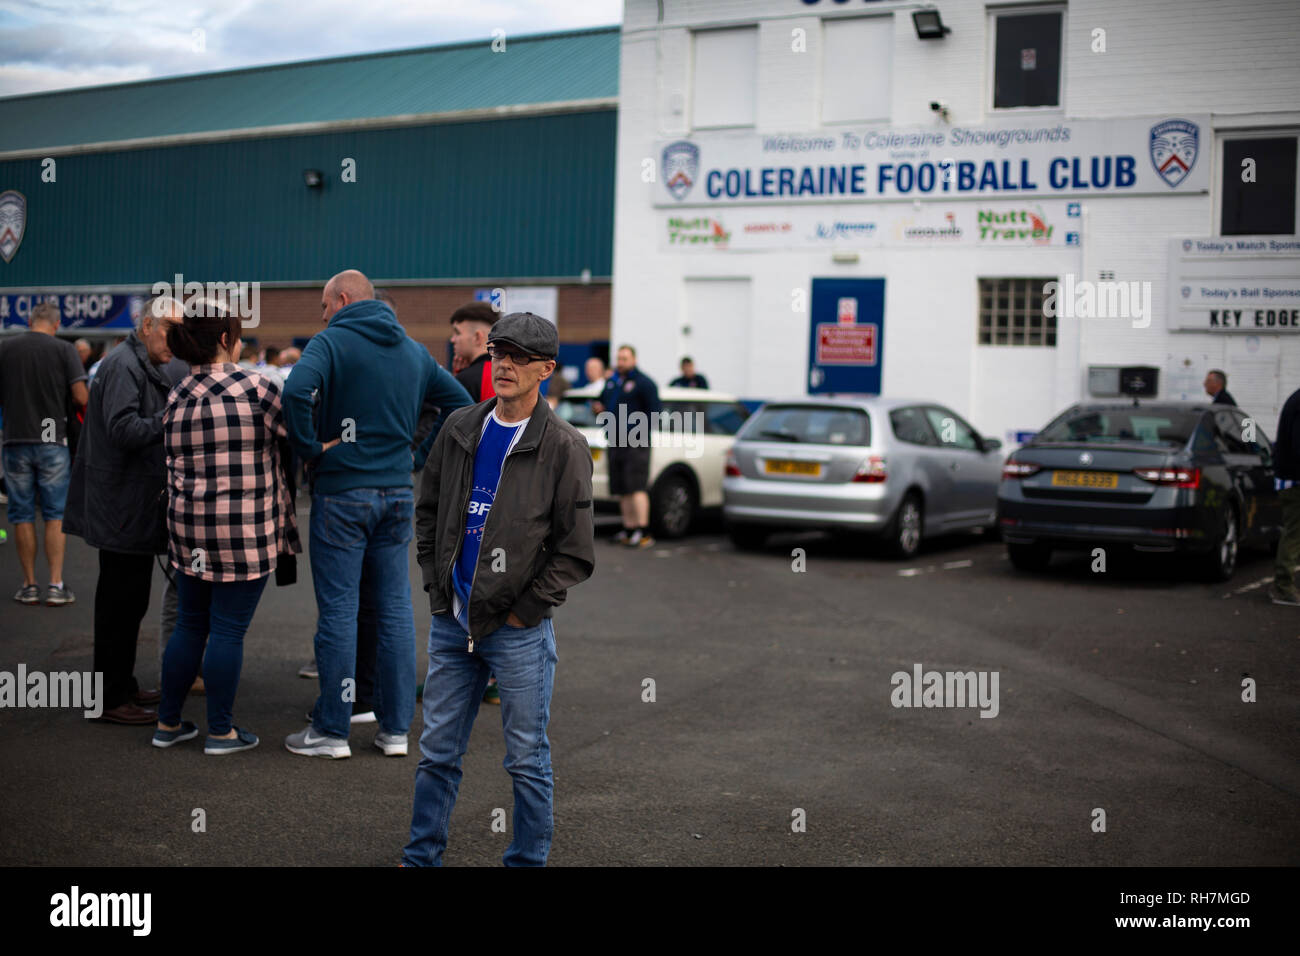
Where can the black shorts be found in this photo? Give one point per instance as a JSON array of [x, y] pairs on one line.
[[629, 470]]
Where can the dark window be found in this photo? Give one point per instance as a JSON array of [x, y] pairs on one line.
[[1265, 207], [724, 418], [1027, 60], [1122, 425], [577, 412], [679, 417], [813, 425], [952, 431], [909, 426], [1203, 443]]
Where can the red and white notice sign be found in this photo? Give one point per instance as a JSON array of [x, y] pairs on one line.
[[847, 311], [846, 344]]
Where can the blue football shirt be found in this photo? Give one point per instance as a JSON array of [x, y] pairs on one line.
[[494, 444]]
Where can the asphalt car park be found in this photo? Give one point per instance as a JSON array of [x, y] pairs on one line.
[[772, 671]]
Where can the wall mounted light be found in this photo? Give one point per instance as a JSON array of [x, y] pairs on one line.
[[929, 25], [314, 178]]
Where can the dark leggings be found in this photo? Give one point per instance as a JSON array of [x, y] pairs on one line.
[[217, 613]]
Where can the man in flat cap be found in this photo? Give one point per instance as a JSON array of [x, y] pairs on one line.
[[503, 527]]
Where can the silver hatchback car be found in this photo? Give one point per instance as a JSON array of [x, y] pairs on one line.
[[900, 469]]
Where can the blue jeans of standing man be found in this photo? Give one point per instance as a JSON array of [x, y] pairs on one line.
[[216, 613], [363, 529], [523, 660]]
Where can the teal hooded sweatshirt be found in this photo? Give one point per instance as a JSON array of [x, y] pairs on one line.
[[373, 380]]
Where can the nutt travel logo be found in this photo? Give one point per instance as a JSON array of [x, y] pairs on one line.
[[1025, 226]]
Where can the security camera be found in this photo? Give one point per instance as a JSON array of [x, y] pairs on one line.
[[939, 107]]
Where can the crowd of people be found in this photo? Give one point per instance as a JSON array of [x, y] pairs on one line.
[[188, 453], [189, 450]]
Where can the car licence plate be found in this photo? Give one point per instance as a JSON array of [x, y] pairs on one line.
[[783, 467], [1085, 479]]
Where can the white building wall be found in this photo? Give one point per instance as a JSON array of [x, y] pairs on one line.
[[1236, 61]]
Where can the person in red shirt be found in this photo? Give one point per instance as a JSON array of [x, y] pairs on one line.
[[470, 325]]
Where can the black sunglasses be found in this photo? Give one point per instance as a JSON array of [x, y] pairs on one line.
[[516, 357]]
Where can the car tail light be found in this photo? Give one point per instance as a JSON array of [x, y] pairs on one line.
[[1019, 469], [1178, 477], [732, 470], [872, 470]]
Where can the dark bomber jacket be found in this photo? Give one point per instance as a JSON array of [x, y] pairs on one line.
[[117, 494], [541, 518]]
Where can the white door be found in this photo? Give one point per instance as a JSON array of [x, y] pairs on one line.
[[715, 332]]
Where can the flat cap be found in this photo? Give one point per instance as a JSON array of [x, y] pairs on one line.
[[527, 331]]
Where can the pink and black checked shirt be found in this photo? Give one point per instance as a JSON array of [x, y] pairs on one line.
[[229, 513]]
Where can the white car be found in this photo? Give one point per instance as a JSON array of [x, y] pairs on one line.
[[687, 455]]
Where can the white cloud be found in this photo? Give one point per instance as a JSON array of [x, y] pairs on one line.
[[58, 44]]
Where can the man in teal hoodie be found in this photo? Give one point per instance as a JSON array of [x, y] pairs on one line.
[[372, 379]]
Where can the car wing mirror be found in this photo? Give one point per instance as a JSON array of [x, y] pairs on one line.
[[990, 444]]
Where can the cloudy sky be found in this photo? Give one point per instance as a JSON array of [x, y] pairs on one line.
[[56, 44]]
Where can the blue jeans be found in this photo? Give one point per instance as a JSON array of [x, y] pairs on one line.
[[523, 660], [35, 467], [218, 613], [364, 529]]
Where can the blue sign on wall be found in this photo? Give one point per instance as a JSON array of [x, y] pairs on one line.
[[77, 310], [846, 336]]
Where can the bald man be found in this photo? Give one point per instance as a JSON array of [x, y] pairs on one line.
[[373, 380]]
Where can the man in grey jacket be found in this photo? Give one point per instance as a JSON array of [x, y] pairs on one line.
[[503, 528], [117, 500]]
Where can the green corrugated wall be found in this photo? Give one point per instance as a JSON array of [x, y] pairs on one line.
[[508, 198]]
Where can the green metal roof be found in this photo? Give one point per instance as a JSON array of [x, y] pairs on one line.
[[544, 68]]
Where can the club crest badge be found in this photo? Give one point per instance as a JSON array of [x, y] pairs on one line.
[[1174, 145], [13, 221], [681, 165]]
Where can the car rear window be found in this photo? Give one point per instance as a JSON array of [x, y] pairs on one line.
[[577, 412], [1145, 426], [810, 425]]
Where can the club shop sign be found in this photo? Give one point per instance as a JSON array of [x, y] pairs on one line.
[[1156, 155]]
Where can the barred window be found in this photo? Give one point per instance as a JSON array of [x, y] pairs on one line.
[[1011, 313]]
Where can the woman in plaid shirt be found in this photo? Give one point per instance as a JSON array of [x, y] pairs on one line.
[[229, 515]]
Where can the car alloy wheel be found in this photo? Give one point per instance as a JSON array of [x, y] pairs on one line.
[[905, 535], [673, 506], [1223, 557]]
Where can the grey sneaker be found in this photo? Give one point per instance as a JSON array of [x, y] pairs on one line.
[[58, 597], [311, 744], [309, 671], [393, 745], [621, 537], [1281, 597], [28, 594]]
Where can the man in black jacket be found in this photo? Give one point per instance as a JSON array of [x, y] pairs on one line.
[[493, 581], [630, 412], [1216, 386], [1287, 479], [117, 500]]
